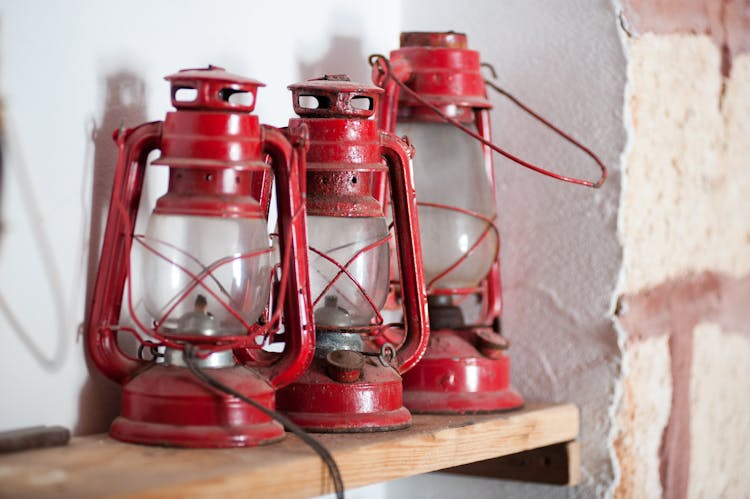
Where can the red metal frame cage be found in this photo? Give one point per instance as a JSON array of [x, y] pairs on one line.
[[355, 389], [206, 141], [434, 77]]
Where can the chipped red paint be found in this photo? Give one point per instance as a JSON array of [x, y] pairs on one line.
[[458, 373], [675, 308], [343, 391]]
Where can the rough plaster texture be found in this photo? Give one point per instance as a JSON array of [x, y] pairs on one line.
[[645, 407], [560, 252], [720, 423], [684, 204]]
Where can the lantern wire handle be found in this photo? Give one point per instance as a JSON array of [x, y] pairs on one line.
[[384, 67], [192, 355]]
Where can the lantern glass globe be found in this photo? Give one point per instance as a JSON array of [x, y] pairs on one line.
[[450, 170], [214, 250], [341, 238]]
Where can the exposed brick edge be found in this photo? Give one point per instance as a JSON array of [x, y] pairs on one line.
[[727, 22], [675, 308]]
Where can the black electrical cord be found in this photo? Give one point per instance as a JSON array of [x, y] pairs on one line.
[[191, 358]]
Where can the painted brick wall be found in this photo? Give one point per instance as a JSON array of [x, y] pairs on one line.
[[685, 228]]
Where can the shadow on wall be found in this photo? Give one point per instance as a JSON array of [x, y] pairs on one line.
[[344, 56], [11, 154], [2, 169], [124, 106]]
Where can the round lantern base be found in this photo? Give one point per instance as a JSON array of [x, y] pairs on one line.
[[352, 422], [430, 402], [453, 377], [197, 436], [167, 405], [373, 403]]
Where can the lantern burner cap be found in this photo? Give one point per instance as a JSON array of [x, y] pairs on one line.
[[444, 314], [330, 340], [331, 314]]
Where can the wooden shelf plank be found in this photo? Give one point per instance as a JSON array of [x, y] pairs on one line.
[[97, 466]]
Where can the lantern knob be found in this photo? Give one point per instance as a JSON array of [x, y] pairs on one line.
[[345, 366], [491, 344], [334, 96], [212, 89]]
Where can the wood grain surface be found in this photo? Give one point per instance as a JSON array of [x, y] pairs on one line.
[[97, 466]]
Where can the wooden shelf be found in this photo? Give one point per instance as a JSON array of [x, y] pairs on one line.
[[97, 466]]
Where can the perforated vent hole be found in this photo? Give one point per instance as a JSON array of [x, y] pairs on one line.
[[236, 97], [314, 102], [185, 94], [362, 103]]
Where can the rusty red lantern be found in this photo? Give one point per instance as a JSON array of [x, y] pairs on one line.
[[466, 367], [200, 286], [354, 383], [435, 93]]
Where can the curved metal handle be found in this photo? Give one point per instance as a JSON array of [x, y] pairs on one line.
[[288, 168], [409, 249], [134, 146], [401, 71], [386, 116], [382, 66]]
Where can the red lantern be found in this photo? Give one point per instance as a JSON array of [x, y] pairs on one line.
[[435, 93], [465, 368], [353, 384], [205, 271]]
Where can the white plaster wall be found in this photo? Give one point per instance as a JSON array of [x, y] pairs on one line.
[[560, 252], [69, 73]]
